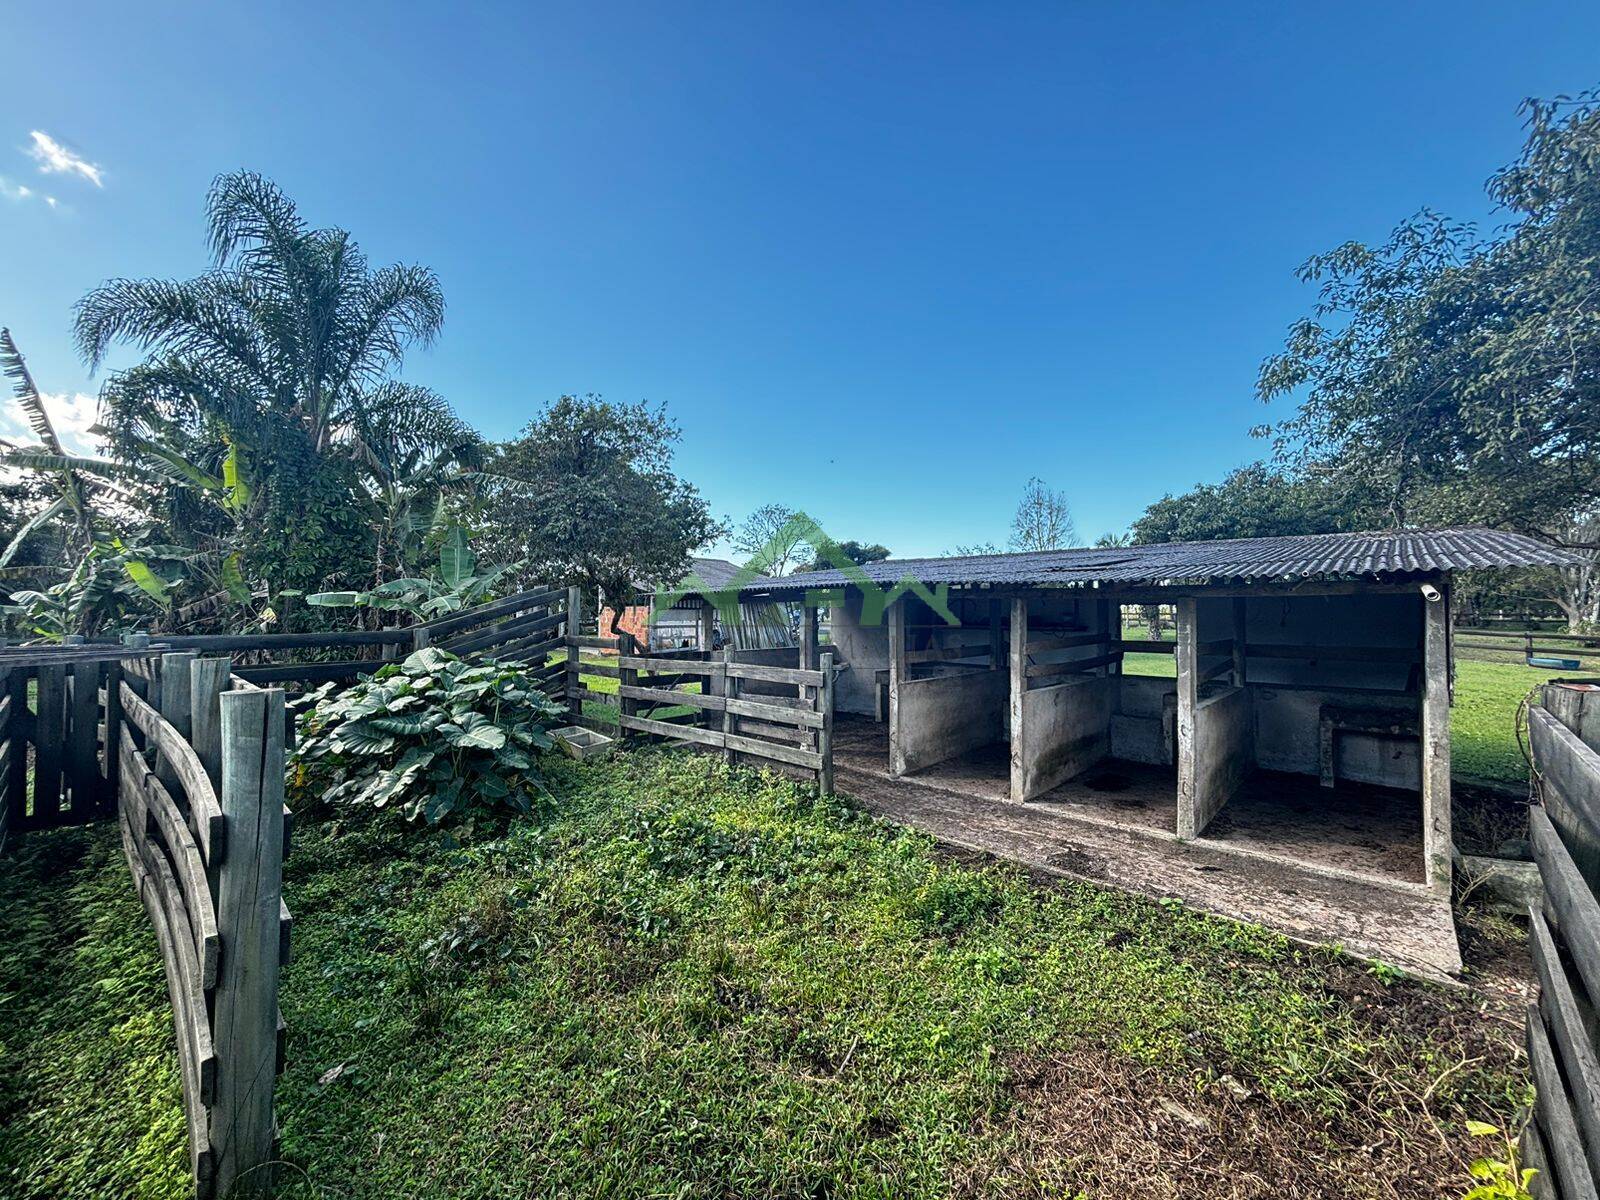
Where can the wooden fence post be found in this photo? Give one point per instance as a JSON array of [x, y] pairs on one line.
[[249, 902], [112, 733], [626, 677], [49, 731], [83, 723], [730, 690], [825, 736], [208, 679], [172, 702], [574, 654]]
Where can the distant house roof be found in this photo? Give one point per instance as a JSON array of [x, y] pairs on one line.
[[1333, 556]]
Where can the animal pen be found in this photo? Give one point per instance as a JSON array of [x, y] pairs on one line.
[[1293, 769], [181, 746]]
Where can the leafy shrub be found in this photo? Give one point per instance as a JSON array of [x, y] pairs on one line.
[[432, 736]]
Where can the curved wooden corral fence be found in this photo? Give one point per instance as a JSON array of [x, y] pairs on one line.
[[188, 760], [1563, 1139]]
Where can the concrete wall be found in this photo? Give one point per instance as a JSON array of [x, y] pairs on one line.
[[865, 648], [1142, 720], [947, 715], [1288, 737], [1224, 755], [1065, 730]]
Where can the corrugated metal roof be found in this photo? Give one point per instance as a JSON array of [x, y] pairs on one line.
[[1330, 556]]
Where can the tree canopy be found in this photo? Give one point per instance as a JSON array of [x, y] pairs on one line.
[[588, 496], [1458, 376], [1259, 501]]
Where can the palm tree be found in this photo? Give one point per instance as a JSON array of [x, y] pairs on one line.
[[275, 365], [290, 321]]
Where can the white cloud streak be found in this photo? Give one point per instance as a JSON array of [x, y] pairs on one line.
[[71, 415], [55, 159]]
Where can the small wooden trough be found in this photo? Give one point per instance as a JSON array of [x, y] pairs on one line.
[[582, 744]]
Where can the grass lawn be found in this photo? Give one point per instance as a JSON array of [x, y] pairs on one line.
[[1483, 730], [686, 980]]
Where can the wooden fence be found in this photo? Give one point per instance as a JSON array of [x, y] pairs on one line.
[[707, 700], [1525, 643], [188, 759], [1562, 1141]]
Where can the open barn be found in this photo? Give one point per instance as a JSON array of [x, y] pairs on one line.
[[1303, 727]]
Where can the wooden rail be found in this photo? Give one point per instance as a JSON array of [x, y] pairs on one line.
[[1562, 1140], [653, 699]]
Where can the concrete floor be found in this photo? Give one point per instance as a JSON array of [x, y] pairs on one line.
[[1337, 865]]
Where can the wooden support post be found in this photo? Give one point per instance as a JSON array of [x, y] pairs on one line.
[[708, 627], [731, 691], [807, 662], [1240, 640], [111, 735], [208, 679], [1102, 624], [173, 704], [421, 636], [17, 764], [1017, 692], [897, 676], [1437, 841], [997, 636], [574, 654], [249, 906], [49, 732], [627, 677], [83, 724], [825, 735], [1188, 659]]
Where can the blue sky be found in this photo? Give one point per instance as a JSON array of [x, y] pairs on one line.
[[882, 262]]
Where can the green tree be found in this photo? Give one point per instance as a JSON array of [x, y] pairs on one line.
[[1259, 501], [772, 539], [586, 494], [270, 359], [1458, 376], [826, 556]]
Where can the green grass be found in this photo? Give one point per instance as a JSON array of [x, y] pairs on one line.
[[688, 980], [1483, 729]]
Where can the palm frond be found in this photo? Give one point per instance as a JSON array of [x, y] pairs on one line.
[[26, 393]]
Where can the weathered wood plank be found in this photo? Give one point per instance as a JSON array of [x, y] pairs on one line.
[[205, 812], [1568, 899], [1074, 667], [49, 737], [1378, 654], [322, 672], [19, 730], [739, 670], [196, 1050], [82, 764], [825, 714], [1568, 1034], [520, 627], [1067, 641], [675, 666], [1568, 775], [1438, 842], [947, 653], [1553, 1109], [249, 897], [208, 679], [189, 873], [442, 627]]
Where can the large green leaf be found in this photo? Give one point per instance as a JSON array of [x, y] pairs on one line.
[[233, 479], [149, 582], [456, 561], [334, 599], [474, 732], [40, 519], [233, 579]]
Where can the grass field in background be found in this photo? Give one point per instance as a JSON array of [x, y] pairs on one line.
[[1483, 719]]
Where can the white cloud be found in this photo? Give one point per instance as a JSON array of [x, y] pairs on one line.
[[71, 415], [14, 191], [55, 159]]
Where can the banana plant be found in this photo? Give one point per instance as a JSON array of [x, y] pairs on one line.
[[456, 584], [91, 489]]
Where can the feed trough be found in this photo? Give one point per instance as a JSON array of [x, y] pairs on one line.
[[582, 744]]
